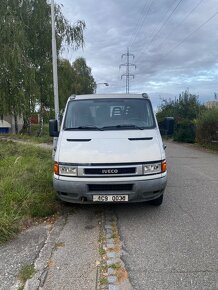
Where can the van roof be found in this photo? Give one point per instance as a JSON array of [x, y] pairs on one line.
[[108, 96]]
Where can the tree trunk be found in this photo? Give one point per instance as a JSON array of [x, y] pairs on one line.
[[41, 121], [29, 119], [15, 124], [25, 125], [29, 126]]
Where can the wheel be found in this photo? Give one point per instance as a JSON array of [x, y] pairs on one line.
[[158, 201]]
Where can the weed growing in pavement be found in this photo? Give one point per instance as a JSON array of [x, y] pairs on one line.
[[101, 251], [26, 273], [59, 245], [26, 189], [115, 266], [116, 237], [101, 239], [103, 281]]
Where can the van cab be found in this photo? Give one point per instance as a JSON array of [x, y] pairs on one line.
[[109, 150]]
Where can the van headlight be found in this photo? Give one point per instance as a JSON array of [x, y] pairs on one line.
[[67, 170], [152, 168]]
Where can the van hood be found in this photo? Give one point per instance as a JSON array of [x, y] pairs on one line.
[[127, 146]]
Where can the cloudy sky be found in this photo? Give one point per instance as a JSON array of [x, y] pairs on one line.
[[175, 43]]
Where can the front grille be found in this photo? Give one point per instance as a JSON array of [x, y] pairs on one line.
[[110, 187], [109, 171]]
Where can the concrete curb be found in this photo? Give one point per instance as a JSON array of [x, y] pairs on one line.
[[41, 263]]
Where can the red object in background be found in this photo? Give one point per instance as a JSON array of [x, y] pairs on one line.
[[34, 119]]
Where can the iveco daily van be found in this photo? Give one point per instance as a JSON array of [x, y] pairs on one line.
[[109, 150]]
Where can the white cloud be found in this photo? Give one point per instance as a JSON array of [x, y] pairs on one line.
[[163, 67]]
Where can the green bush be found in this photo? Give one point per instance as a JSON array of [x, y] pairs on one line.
[[207, 126], [185, 131]]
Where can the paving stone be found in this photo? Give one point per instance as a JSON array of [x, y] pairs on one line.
[[112, 279], [110, 246], [108, 235], [109, 227], [111, 271], [112, 261], [112, 255], [109, 231], [110, 241], [113, 287]]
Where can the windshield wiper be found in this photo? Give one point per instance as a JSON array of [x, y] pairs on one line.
[[83, 128], [128, 126]]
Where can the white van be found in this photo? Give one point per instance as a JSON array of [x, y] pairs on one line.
[[109, 150]]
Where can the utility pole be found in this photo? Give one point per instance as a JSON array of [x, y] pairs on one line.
[[54, 61], [55, 72], [127, 75]]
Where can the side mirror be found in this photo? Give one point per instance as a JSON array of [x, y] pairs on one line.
[[164, 146], [53, 128]]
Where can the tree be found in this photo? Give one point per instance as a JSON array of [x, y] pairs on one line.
[[16, 69], [84, 82], [74, 79], [66, 79], [25, 53], [185, 110], [207, 127], [42, 52], [187, 106]]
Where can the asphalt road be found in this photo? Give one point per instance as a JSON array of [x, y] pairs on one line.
[[175, 246]]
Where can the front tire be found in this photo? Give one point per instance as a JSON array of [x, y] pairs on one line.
[[158, 201]]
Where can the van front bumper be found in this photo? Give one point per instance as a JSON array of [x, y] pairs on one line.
[[138, 189]]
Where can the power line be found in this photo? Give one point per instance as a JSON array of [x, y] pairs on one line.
[[155, 26], [160, 23], [140, 22], [127, 75], [190, 34], [166, 19], [186, 16]]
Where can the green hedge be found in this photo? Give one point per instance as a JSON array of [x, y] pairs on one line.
[[207, 127], [185, 131]]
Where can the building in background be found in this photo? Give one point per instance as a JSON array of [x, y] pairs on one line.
[[211, 104], [7, 124]]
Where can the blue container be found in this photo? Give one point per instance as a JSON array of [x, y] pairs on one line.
[[4, 130]]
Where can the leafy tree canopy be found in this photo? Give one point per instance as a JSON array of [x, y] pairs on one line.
[[187, 106], [26, 54], [74, 79]]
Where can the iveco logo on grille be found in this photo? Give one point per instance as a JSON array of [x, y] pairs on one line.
[[113, 170], [109, 171]]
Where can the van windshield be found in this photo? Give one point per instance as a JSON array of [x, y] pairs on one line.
[[109, 114]]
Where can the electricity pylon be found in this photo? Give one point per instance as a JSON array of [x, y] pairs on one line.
[[127, 75]]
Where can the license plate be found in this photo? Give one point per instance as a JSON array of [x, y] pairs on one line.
[[110, 198]]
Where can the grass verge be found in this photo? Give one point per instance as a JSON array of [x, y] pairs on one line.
[[33, 137], [26, 190]]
